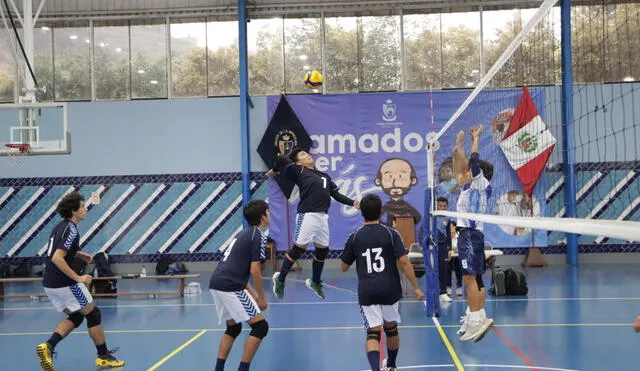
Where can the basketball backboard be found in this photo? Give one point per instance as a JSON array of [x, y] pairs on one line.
[[43, 126]]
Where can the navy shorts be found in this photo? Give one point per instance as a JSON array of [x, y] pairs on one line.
[[471, 251]]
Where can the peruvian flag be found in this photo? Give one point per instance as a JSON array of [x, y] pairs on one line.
[[527, 143]]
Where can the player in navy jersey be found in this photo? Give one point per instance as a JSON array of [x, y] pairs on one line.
[[235, 300], [67, 290], [312, 220], [475, 190], [378, 250]]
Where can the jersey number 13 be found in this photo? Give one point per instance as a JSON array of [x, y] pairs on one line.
[[375, 262]]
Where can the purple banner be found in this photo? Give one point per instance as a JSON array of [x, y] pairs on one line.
[[374, 143]]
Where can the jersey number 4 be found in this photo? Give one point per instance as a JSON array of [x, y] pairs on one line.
[[375, 262], [228, 250]]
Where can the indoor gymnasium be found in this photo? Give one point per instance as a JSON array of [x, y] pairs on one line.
[[319, 185]]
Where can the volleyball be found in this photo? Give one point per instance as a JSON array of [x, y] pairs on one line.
[[313, 79]]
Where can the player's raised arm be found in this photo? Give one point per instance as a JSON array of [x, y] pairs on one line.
[[459, 159], [336, 195]]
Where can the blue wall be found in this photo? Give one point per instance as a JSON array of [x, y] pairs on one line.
[[150, 137]]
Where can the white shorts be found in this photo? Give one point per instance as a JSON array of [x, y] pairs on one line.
[[73, 298], [238, 306], [376, 315], [312, 227]]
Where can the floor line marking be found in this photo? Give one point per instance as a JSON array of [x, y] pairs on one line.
[[447, 343], [333, 328], [176, 351], [514, 348]]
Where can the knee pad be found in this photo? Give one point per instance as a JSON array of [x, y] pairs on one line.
[[391, 331], [479, 281], [373, 335], [76, 318], [321, 254], [295, 253], [259, 329], [234, 330], [94, 318]]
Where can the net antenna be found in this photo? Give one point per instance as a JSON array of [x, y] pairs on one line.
[[27, 21]]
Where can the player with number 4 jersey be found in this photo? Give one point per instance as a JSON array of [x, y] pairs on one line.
[[378, 251], [235, 300], [312, 221]]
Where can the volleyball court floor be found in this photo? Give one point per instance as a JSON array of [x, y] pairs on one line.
[[572, 319]]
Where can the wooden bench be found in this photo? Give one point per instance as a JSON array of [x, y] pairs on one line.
[[180, 292]]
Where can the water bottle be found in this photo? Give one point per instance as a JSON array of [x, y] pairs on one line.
[[144, 271]]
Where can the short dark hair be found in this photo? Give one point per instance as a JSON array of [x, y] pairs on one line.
[[371, 207], [68, 204], [487, 169], [254, 210], [294, 154], [442, 199]]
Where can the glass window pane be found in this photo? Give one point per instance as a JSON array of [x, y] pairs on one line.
[[460, 49], [264, 38], [341, 38], [72, 63], [302, 50], [188, 58], [379, 53], [223, 62], [148, 60], [623, 42], [499, 28], [43, 61], [7, 70], [111, 52], [422, 51], [540, 50], [587, 41]]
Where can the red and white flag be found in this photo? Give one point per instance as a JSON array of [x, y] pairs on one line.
[[527, 143]]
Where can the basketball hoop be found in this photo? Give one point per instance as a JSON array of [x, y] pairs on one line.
[[17, 153]]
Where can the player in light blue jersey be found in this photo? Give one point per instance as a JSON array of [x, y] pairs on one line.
[[475, 190]]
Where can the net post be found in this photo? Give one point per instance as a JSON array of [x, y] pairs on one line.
[[568, 155], [430, 252]]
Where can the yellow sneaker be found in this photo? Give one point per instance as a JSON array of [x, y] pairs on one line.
[[108, 361], [44, 354]]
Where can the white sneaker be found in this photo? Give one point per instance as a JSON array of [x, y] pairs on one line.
[[465, 325], [459, 291], [449, 291], [445, 298], [477, 329], [385, 368]]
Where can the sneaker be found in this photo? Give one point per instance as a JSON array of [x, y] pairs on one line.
[[46, 356], [459, 291], [108, 361], [477, 329], [488, 324], [445, 298], [385, 368], [316, 287], [463, 328], [449, 291], [278, 286]]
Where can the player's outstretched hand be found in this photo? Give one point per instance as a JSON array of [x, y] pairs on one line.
[[262, 303], [271, 173], [86, 279], [475, 131], [460, 139], [356, 204], [420, 295]]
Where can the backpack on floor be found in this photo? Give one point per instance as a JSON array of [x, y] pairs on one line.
[[497, 282], [515, 282]]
